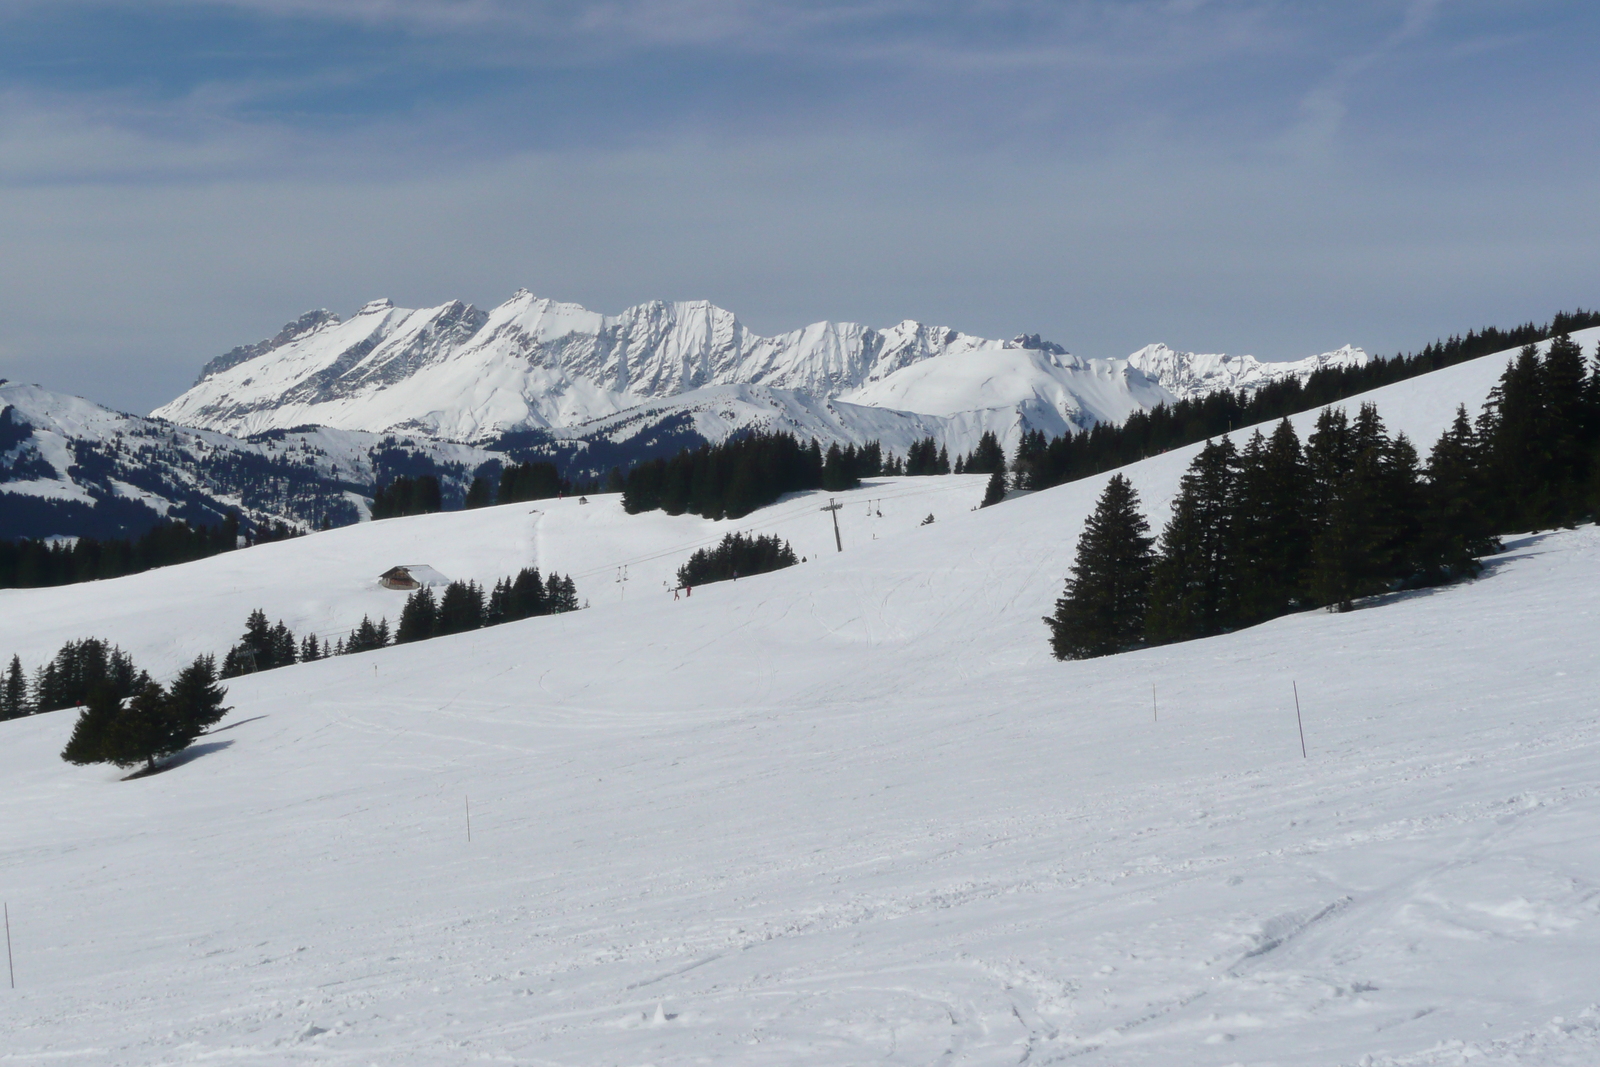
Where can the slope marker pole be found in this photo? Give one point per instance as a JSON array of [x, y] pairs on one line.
[[1298, 721], [468, 801], [12, 967], [1155, 715]]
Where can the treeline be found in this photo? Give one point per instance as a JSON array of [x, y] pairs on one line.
[[66, 681], [737, 556], [1277, 527], [462, 606], [80, 668], [157, 720], [1041, 463], [423, 494], [32, 563], [741, 474], [519, 482], [406, 495]]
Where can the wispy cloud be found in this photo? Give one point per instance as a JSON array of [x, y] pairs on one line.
[[1235, 174], [1324, 109]]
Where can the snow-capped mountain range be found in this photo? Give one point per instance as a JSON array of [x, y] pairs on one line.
[[455, 372], [304, 425]]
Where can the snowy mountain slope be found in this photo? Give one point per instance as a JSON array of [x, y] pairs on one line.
[[164, 625], [715, 412], [459, 373], [166, 617], [852, 812], [71, 467]]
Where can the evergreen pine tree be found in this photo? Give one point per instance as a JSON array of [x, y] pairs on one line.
[[283, 651], [418, 619], [478, 494], [14, 691], [1563, 435], [90, 733], [253, 652], [1509, 432], [1457, 527], [460, 608], [561, 594], [988, 456], [1102, 610], [1271, 530], [148, 729], [528, 594], [1328, 455], [1359, 546], [995, 491], [1192, 583], [499, 603], [195, 696]]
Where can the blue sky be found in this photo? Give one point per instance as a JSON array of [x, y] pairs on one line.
[[1268, 177]]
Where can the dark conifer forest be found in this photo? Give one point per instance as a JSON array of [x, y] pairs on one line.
[[737, 556], [405, 495], [1277, 526], [734, 478], [30, 563]]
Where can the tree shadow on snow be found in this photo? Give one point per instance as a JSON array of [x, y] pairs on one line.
[[1515, 550], [231, 725], [193, 752]]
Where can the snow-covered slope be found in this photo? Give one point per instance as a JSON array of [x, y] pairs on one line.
[[849, 812], [69, 466], [337, 570], [459, 373]]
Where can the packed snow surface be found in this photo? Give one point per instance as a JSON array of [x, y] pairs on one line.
[[850, 812]]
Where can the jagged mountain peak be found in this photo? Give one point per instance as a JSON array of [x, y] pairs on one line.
[[304, 326], [456, 372]]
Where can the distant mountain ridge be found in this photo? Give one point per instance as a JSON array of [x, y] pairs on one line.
[[70, 467], [455, 372]]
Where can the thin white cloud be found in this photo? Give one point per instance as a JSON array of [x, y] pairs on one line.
[[1323, 109]]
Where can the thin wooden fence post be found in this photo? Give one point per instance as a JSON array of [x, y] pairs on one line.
[[1298, 721]]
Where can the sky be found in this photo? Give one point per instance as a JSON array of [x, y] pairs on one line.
[[1279, 178]]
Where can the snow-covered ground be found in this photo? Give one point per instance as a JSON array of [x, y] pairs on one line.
[[326, 582], [851, 812]]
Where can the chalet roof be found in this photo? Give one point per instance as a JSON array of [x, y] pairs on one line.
[[420, 573]]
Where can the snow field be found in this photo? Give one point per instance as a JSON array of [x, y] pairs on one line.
[[850, 812], [326, 582]]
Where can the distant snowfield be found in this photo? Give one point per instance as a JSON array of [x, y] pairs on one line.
[[851, 812]]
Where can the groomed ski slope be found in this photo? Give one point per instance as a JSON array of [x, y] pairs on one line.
[[852, 812], [326, 582]]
